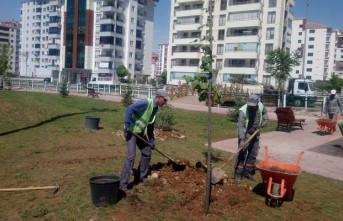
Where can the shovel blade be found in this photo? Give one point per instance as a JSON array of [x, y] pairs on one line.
[[217, 175]]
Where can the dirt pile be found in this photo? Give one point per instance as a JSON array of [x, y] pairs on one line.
[[189, 187]]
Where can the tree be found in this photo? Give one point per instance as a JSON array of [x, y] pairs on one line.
[[280, 64], [4, 58], [164, 77], [335, 82], [122, 71]]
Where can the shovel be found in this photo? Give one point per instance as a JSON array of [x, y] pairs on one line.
[[218, 173], [176, 162]]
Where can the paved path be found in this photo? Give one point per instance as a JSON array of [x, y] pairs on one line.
[[323, 152]]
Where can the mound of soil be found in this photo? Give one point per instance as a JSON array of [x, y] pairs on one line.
[[190, 187]]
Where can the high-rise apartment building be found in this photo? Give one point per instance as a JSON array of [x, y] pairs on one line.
[[243, 31], [77, 38], [10, 35], [123, 35], [162, 54], [316, 43], [337, 65], [40, 38]]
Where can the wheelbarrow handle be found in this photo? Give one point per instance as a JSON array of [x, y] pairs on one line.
[[299, 157]]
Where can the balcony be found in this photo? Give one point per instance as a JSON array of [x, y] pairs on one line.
[[191, 12], [186, 55]]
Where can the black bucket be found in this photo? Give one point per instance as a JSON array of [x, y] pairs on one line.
[[104, 190], [92, 122]]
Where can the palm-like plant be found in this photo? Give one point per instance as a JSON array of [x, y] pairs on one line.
[[280, 64]]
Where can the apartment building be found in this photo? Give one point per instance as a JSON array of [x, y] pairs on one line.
[[162, 53], [337, 56], [316, 42], [10, 35], [40, 38], [243, 32], [77, 38], [123, 35]]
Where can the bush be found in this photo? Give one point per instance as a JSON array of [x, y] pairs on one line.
[[234, 114], [64, 89], [165, 118], [127, 97]]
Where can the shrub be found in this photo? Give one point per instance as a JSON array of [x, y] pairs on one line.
[[127, 97], [234, 114], [165, 118], [64, 89]]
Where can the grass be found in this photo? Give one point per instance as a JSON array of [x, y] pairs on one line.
[[43, 141]]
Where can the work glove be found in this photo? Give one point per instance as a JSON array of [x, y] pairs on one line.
[[251, 130], [152, 143], [264, 124], [126, 134]]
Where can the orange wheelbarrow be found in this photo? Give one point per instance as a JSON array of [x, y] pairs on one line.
[[327, 125], [279, 179]]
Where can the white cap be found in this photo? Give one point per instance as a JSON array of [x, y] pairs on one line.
[[333, 91]]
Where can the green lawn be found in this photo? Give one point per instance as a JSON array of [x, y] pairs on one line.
[[43, 141]]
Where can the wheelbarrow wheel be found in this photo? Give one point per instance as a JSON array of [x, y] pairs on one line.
[[276, 189]]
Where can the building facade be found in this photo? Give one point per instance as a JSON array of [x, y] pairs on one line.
[[123, 36], [77, 41], [243, 32], [10, 35], [40, 38], [317, 45], [162, 53]]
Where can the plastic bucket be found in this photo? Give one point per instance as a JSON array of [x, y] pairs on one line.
[[92, 122], [104, 190]]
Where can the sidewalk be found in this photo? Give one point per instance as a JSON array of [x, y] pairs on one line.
[[323, 152]]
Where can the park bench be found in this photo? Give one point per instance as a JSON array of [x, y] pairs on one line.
[[286, 118], [92, 92]]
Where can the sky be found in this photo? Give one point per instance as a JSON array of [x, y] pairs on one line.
[[325, 12]]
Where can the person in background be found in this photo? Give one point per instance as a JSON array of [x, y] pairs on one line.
[[252, 116], [139, 119], [333, 107]]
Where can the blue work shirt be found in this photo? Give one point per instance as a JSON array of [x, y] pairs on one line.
[[141, 106]]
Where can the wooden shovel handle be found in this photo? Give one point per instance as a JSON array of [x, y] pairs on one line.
[[241, 148], [147, 143], [30, 188]]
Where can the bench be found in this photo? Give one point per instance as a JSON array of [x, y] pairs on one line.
[[92, 92], [286, 118]]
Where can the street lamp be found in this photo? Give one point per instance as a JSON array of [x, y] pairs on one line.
[[25, 54]]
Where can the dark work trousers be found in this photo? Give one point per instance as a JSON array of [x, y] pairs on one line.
[[333, 116], [144, 164], [245, 162]]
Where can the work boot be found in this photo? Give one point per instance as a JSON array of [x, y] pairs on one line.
[[238, 178], [249, 176], [123, 191]]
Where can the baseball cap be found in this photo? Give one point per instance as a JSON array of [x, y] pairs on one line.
[[252, 100], [162, 93], [333, 91]]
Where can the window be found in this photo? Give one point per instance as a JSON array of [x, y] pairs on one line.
[[269, 47], [131, 43], [309, 62], [299, 41], [130, 54], [132, 20], [220, 49], [271, 17], [312, 31], [300, 33], [270, 33], [223, 5], [310, 54], [138, 45], [221, 34], [309, 69], [131, 32], [272, 3], [132, 8], [222, 19], [243, 16], [219, 63], [311, 39], [311, 46]]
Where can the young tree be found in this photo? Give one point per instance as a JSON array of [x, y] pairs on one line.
[[335, 82], [164, 77], [4, 58], [280, 64], [122, 71]]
